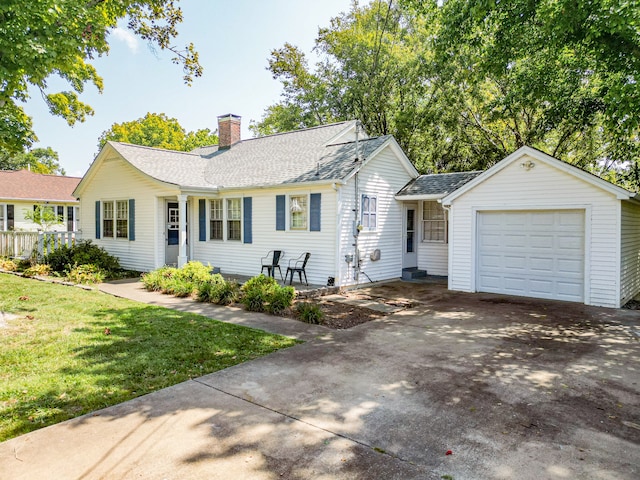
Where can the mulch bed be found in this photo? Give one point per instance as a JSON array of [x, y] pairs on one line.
[[340, 316]]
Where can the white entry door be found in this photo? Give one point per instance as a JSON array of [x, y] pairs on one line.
[[532, 253], [410, 236]]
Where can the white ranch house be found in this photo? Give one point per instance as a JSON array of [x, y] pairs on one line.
[[531, 225]]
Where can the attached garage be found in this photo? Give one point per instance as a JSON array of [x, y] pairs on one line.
[[531, 253], [535, 226]]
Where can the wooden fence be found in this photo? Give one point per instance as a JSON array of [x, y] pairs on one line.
[[26, 244]]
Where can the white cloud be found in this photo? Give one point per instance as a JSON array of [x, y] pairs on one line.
[[127, 37]]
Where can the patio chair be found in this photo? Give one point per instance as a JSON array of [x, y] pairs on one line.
[[298, 266], [272, 261]]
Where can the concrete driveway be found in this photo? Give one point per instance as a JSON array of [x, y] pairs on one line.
[[513, 388]]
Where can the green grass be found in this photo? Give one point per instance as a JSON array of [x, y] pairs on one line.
[[57, 362]]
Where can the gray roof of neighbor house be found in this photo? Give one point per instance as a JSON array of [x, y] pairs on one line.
[[437, 183], [300, 156]]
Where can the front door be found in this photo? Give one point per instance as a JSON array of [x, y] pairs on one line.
[[172, 234], [409, 236]]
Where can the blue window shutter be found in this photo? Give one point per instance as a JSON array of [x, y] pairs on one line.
[[248, 233], [132, 219], [202, 220], [10, 217], [314, 212], [98, 219], [280, 212]]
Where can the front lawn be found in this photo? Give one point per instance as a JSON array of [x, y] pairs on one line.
[[69, 351]]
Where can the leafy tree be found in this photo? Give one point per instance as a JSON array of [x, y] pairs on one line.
[[461, 84], [43, 216], [42, 38], [158, 130], [369, 70], [38, 160]]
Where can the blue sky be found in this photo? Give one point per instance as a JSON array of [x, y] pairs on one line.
[[234, 39]]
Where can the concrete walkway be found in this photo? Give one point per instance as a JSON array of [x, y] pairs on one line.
[[465, 387]]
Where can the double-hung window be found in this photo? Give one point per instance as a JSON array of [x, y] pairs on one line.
[[216, 221], [234, 219], [299, 212], [434, 222], [115, 219], [369, 212]]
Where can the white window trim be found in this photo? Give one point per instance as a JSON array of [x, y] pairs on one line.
[[3, 217], [369, 212], [210, 219], [290, 212], [227, 219], [445, 221], [115, 219]]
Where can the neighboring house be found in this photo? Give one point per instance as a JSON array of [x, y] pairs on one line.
[[531, 225], [316, 190], [21, 191]]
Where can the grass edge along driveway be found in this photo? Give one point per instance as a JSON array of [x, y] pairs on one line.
[[67, 351]]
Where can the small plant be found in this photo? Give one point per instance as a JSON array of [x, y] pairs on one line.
[[309, 312], [8, 265], [217, 290], [281, 298], [195, 272], [86, 274], [263, 294], [257, 292], [39, 269], [156, 281]]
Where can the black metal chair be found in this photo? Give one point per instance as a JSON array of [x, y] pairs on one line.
[[272, 261], [298, 266]]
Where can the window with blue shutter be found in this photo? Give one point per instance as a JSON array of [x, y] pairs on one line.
[[132, 219], [281, 202], [10, 217], [97, 219], [314, 212], [202, 220], [246, 211]]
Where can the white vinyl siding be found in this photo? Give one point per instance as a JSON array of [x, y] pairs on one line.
[[116, 179], [244, 258], [541, 188], [382, 177], [23, 206], [629, 252]]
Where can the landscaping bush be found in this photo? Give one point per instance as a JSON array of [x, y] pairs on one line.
[[195, 272], [86, 274], [263, 294], [157, 280], [181, 282], [65, 258], [217, 290], [309, 312], [8, 265], [281, 299], [38, 269]]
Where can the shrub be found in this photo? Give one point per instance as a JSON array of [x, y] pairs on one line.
[[262, 293], [217, 290], [281, 299], [82, 253], [195, 272], [309, 312], [86, 274], [38, 269], [8, 265], [156, 281]]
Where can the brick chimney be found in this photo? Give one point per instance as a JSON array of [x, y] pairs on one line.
[[228, 130]]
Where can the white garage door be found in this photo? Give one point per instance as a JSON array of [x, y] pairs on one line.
[[532, 253]]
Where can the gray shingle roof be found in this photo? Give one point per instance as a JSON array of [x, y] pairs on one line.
[[300, 156], [437, 183]]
